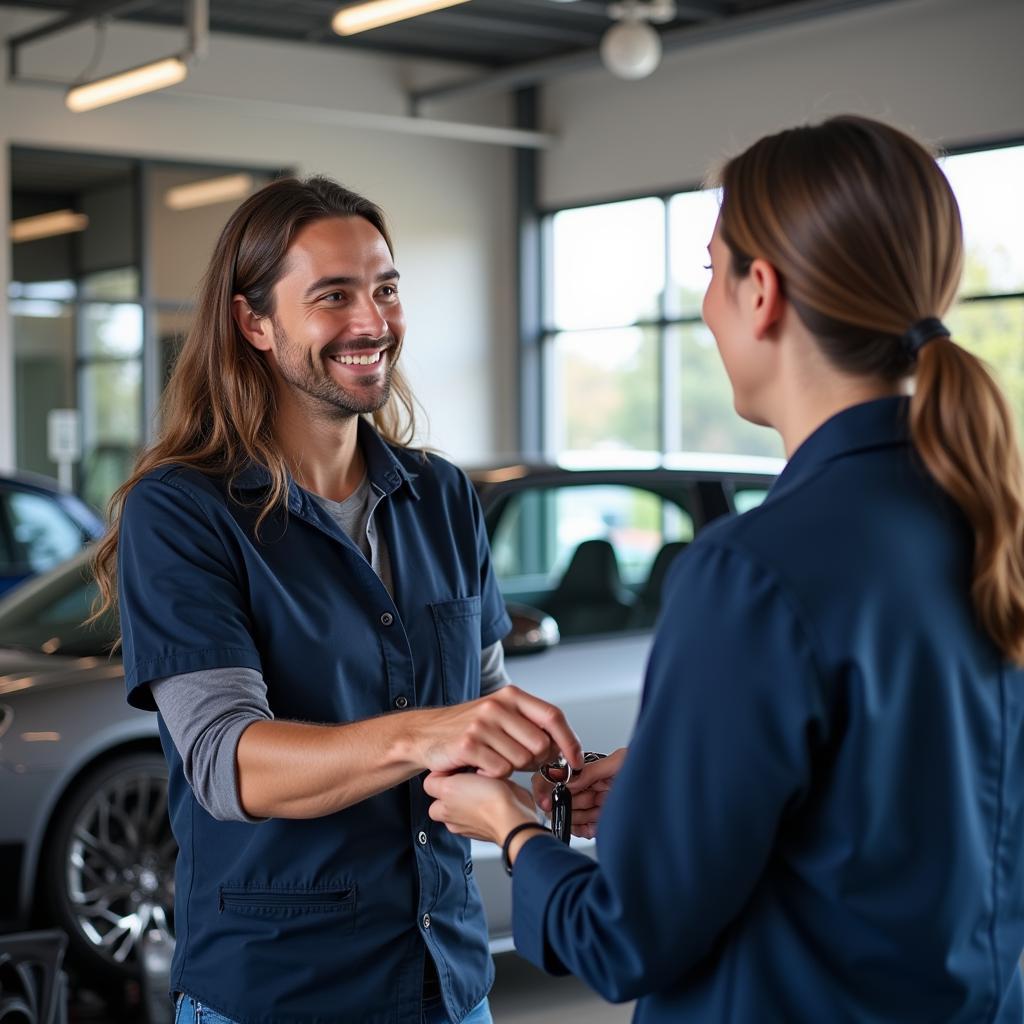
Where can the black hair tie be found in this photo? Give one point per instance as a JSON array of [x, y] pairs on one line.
[[918, 335]]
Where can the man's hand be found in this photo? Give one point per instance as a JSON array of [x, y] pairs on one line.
[[300, 770], [470, 804], [589, 790], [506, 731]]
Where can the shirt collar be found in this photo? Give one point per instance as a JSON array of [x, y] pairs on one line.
[[881, 423], [384, 469]]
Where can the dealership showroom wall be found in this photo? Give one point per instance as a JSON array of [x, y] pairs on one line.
[[948, 70]]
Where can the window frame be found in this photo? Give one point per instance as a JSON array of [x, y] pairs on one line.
[[547, 331]]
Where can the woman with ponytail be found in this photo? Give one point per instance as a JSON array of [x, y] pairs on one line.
[[821, 814]]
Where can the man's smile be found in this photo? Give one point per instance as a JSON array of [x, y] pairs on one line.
[[357, 359]]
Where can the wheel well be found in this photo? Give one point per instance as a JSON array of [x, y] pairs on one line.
[[141, 745]]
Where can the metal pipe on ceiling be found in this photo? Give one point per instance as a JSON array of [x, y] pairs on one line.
[[459, 131]]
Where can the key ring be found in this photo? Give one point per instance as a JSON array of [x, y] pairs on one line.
[[562, 765]]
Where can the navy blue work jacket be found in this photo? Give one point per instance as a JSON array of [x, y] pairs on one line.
[[329, 919], [821, 814]]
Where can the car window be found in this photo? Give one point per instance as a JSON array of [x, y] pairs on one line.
[[42, 533], [49, 613], [746, 498], [585, 554], [71, 609]]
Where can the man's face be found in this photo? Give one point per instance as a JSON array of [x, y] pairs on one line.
[[338, 321]]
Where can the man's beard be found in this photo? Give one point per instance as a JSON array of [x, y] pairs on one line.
[[306, 373]]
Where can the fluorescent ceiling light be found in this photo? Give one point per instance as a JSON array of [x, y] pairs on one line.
[[126, 84], [45, 225], [211, 190], [362, 17]]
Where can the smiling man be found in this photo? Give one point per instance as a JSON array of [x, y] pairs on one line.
[[309, 604]]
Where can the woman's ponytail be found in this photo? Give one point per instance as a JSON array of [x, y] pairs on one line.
[[963, 430]]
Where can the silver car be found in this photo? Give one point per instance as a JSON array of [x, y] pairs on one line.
[[85, 842]]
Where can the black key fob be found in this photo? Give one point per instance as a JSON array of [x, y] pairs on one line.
[[561, 812]]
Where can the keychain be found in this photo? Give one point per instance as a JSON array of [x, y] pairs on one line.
[[561, 797]]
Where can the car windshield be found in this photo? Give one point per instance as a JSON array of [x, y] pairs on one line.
[[48, 613]]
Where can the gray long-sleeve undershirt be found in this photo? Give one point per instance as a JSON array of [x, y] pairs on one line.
[[206, 712]]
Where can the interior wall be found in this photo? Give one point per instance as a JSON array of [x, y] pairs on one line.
[[950, 71], [450, 204]]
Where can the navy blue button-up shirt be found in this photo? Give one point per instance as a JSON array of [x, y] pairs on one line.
[[321, 920], [821, 815]]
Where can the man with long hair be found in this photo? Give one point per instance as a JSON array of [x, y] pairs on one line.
[[309, 604]]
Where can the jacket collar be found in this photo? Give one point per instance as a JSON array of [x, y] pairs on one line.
[[385, 470], [881, 423]]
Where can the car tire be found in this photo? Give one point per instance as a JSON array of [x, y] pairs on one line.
[[108, 871]]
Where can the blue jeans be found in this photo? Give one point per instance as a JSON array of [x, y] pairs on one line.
[[190, 1012], [480, 1014]]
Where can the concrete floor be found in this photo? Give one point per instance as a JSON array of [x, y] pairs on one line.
[[524, 995]]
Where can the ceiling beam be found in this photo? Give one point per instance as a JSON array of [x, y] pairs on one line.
[[591, 8], [519, 76], [85, 12], [459, 19], [703, 10]]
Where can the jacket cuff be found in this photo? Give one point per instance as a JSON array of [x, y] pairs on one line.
[[541, 866]]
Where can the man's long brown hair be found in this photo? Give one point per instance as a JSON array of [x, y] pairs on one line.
[[863, 228], [217, 412]]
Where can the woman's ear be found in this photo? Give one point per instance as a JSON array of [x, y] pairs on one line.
[[255, 328], [767, 298]]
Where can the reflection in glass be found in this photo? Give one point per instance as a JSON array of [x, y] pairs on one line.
[[988, 190], [691, 220], [171, 331], [44, 375], [58, 291], [605, 392], [111, 330], [705, 419], [111, 403], [122, 283], [608, 264], [994, 331], [181, 240]]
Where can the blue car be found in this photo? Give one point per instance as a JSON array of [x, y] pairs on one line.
[[40, 526]]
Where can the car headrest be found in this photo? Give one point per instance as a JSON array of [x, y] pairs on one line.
[[593, 573], [659, 570]]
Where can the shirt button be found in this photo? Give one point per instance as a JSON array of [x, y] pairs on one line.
[[426, 920], [386, 619], [401, 703], [422, 838]]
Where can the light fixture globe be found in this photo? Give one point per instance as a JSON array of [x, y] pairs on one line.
[[631, 49]]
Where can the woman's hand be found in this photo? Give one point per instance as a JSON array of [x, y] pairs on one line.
[[472, 805], [589, 790]]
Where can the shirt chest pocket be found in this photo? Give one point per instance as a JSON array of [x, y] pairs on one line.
[[457, 625]]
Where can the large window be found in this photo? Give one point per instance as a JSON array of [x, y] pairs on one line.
[[989, 318], [100, 302], [631, 373]]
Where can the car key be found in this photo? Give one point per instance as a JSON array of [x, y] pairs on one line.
[[561, 812], [561, 795], [561, 798]]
